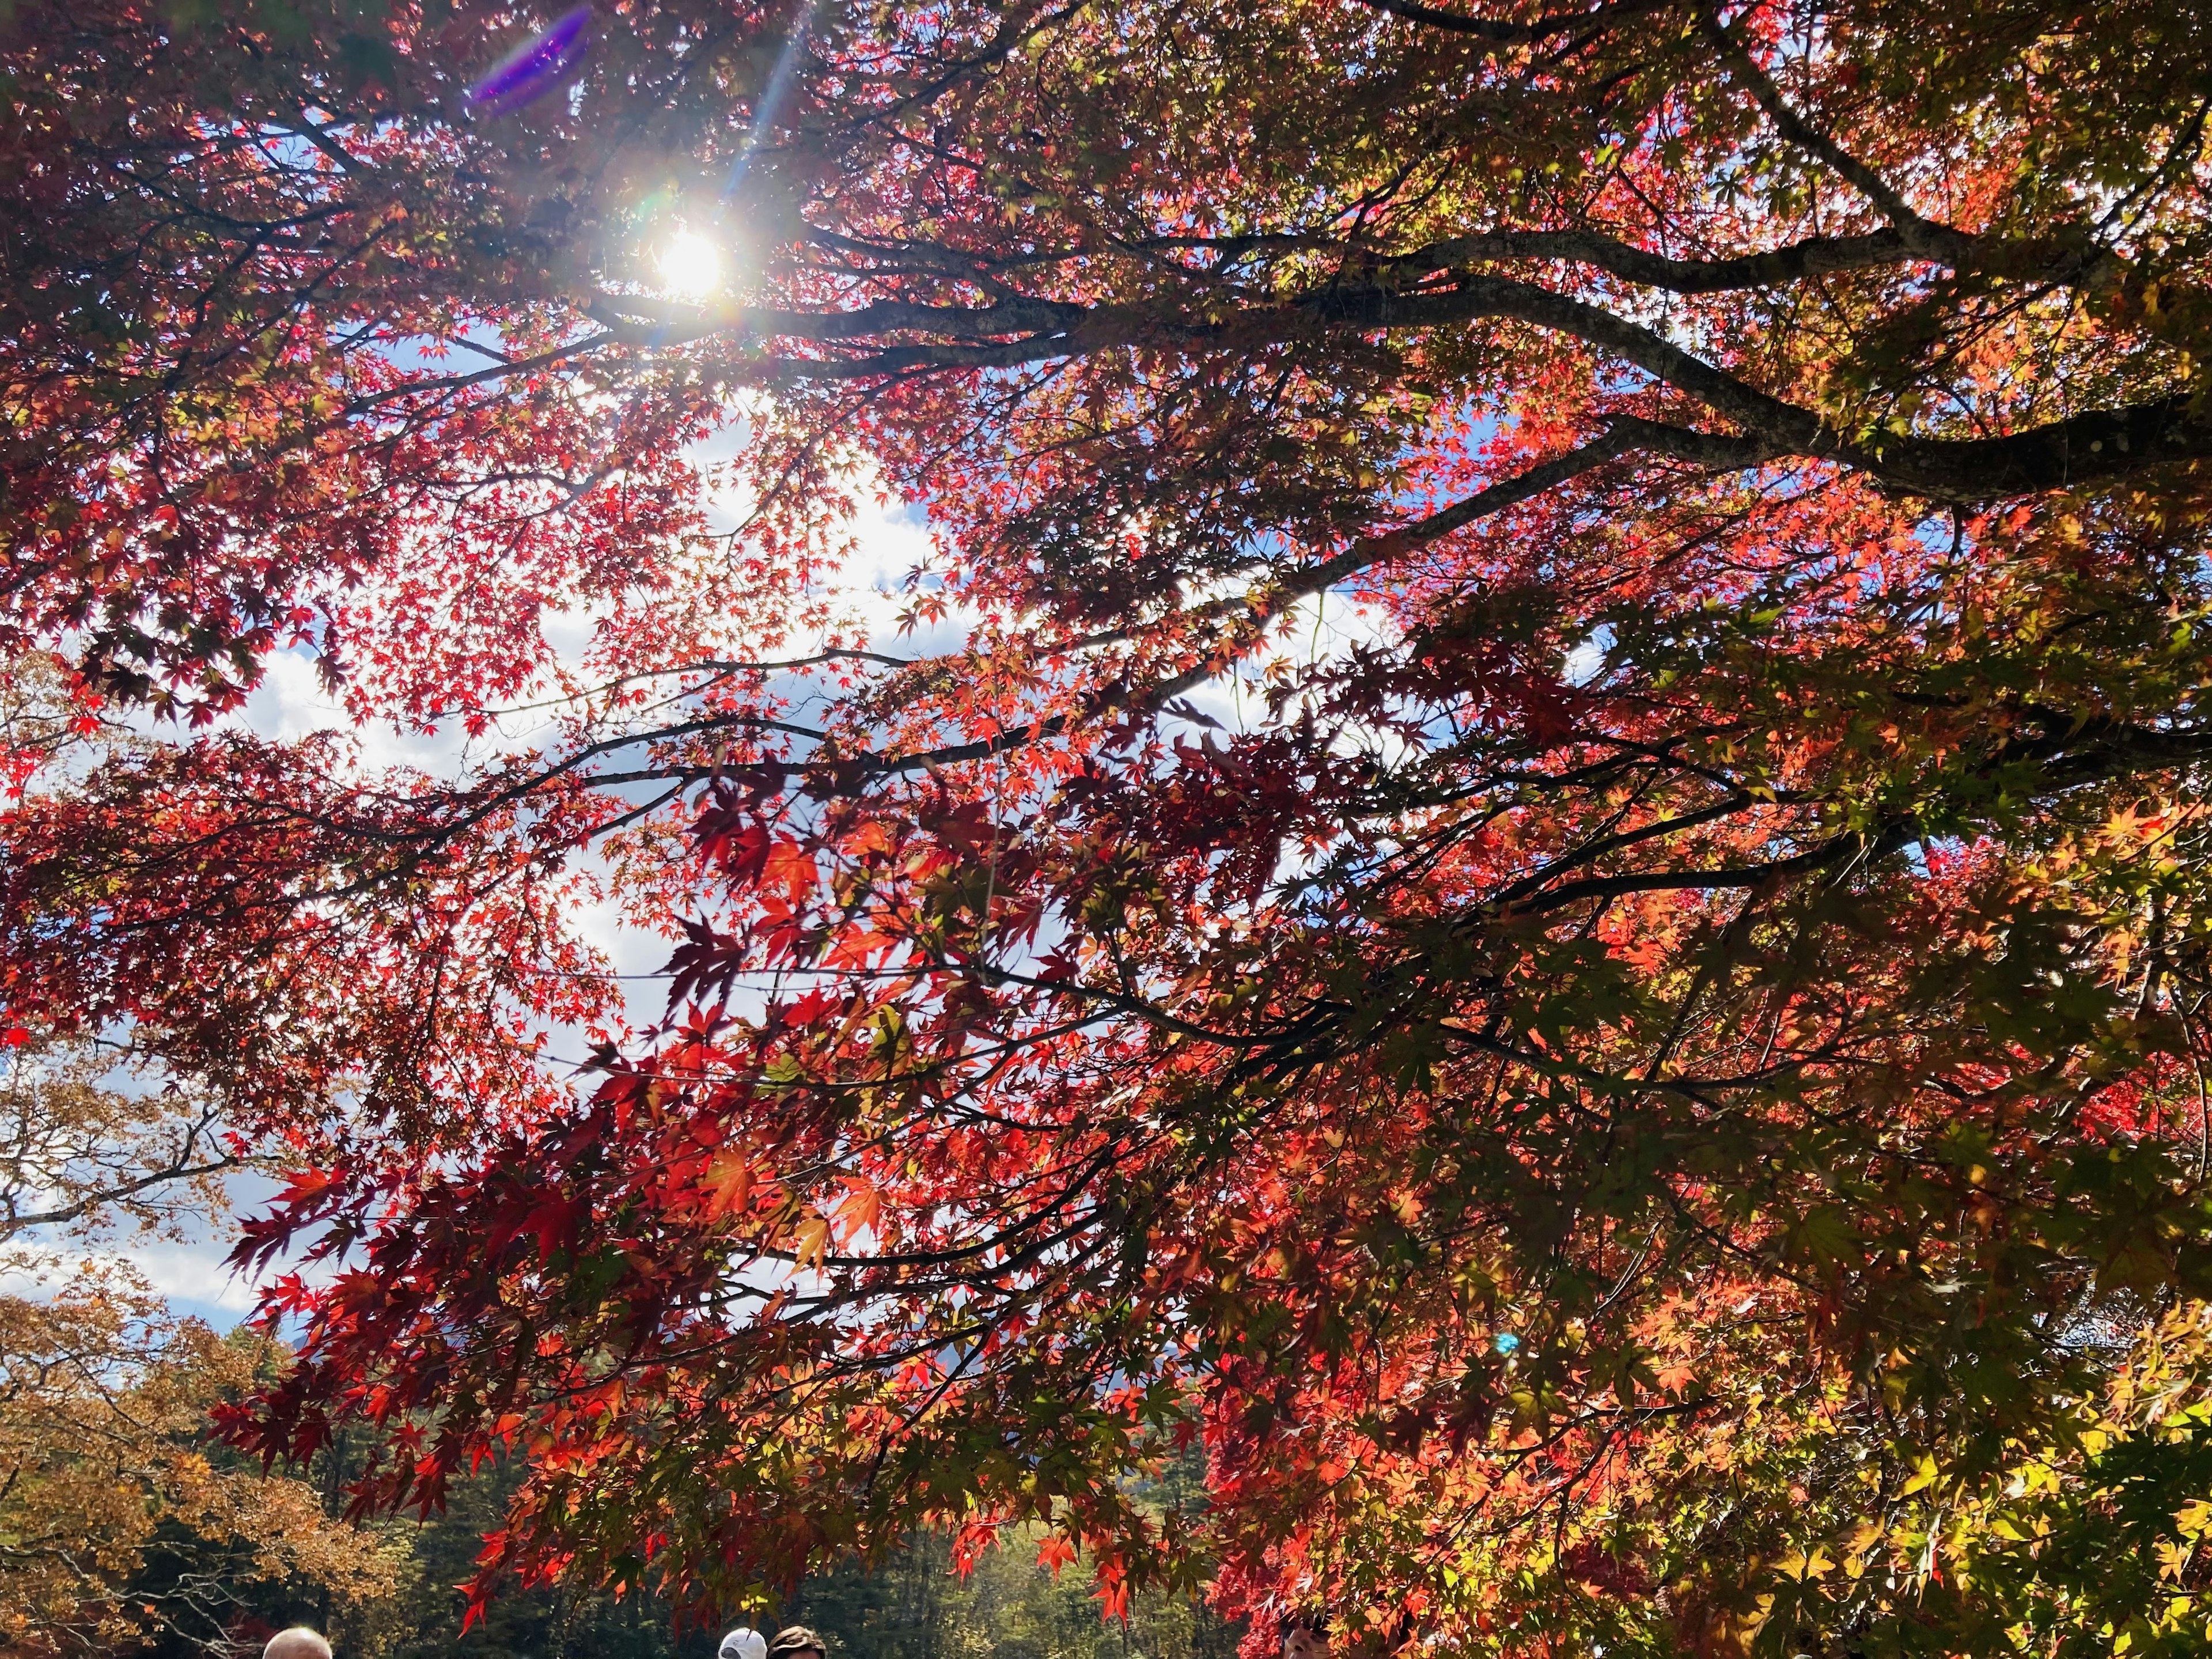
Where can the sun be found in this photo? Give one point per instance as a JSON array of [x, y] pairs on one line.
[[690, 267]]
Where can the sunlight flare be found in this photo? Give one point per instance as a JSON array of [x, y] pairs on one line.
[[690, 267]]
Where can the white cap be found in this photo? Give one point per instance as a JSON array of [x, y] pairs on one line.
[[744, 1643]]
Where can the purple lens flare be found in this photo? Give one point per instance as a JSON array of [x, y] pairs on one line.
[[529, 72]]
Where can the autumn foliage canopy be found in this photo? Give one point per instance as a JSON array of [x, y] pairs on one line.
[[1531, 859]]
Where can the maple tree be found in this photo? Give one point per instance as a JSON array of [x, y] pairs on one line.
[[1646, 1092]]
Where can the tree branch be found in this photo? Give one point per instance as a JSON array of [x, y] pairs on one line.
[[1517, 34], [1817, 255], [1932, 240]]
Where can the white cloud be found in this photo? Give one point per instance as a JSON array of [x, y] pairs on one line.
[[191, 1272]]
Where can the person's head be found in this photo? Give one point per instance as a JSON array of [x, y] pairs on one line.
[[744, 1643], [297, 1643], [1304, 1640], [796, 1642]]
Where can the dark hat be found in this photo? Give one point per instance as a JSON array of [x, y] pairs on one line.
[[796, 1638]]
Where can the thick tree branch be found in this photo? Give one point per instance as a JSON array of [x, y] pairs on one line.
[[92, 1203], [1623, 435], [1517, 34], [1817, 255], [2084, 449]]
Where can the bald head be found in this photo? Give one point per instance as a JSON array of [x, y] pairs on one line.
[[297, 1643]]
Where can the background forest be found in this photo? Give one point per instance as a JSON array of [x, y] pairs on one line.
[[913, 1606], [127, 1526], [910, 1606], [200, 1578]]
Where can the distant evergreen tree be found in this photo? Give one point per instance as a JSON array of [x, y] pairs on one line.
[[911, 1606], [915, 1606]]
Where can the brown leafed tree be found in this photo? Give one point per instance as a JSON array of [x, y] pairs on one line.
[[105, 1465], [121, 1519]]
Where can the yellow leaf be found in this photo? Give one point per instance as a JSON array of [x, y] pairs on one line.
[[1923, 1476], [1801, 1567]]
